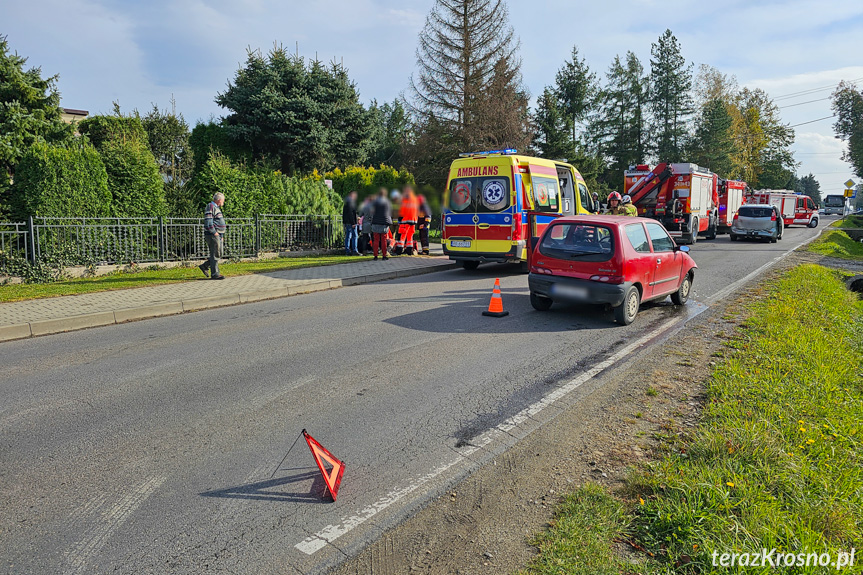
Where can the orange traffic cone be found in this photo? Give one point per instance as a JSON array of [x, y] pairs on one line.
[[495, 306]]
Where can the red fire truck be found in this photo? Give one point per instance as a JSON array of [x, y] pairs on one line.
[[796, 209], [731, 196], [684, 197]]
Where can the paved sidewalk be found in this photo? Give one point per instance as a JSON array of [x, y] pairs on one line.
[[66, 313]]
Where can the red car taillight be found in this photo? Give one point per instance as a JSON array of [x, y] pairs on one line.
[[773, 217], [607, 279], [539, 270], [735, 216]]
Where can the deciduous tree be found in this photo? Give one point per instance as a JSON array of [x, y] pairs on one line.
[[847, 104]]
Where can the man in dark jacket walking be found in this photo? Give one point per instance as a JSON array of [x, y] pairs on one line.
[[382, 219], [349, 220]]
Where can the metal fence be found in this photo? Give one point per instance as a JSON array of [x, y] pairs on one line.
[[14, 242], [108, 241]]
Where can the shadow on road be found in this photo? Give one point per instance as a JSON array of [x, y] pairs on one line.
[[460, 311], [268, 490]]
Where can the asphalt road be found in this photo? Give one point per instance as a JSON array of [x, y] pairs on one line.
[[149, 447]]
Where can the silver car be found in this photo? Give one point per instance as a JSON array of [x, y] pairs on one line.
[[761, 221]]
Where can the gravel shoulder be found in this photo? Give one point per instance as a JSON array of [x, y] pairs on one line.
[[633, 412]]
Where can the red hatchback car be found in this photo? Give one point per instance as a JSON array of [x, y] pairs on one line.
[[616, 260]]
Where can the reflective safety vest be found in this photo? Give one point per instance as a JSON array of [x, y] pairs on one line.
[[409, 209]]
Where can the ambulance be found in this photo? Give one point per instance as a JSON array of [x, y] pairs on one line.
[[487, 198]]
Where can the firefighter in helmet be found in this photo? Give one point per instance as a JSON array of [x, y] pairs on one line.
[[615, 206], [628, 208]]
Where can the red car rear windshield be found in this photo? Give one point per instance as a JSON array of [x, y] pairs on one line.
[[584, 242]]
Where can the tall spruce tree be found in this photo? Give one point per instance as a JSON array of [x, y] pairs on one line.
[[670, 98], [576, 89], [713, 143], [619, 128], [29, 112], [811, 187], [552, 128], [390, 133], [468, 70]]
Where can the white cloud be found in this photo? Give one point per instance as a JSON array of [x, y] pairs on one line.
[[143, 52]]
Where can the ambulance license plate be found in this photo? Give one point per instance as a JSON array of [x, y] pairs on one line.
[[460, 243]]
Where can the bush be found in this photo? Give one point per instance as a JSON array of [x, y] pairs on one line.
[[258, 190], [136, 187], [61, 181], [103, 129], [366, 181]]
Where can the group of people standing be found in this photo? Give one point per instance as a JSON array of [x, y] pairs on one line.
[[370, 226]]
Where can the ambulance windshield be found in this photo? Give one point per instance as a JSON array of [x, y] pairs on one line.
[[479, 194]]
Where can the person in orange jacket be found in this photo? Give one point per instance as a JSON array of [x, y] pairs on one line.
[[408, 215]]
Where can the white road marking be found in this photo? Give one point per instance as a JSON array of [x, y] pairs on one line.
[[79, 556], [330, 533], [729, 289]]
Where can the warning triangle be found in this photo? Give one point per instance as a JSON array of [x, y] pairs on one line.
[[333, 477]]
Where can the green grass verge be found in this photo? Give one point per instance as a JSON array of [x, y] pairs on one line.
[[849, 222], [581, 539], [152, 275], [837, 244], [777, 461]]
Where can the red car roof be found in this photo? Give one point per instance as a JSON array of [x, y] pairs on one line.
[[602, 220]]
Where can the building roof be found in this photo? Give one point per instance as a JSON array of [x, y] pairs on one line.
[[75, 112]]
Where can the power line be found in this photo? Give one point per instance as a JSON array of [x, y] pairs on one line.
[[801, 103], [812, 121], [811, 90]]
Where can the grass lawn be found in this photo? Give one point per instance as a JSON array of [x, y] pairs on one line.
[[837, 244], [777, 461], [849, 222], [154, 275]]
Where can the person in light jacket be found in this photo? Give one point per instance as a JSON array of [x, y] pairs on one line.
[[214, 234]]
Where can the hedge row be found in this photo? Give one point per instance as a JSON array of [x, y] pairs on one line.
[[258, 190], [61, 182], [367, 181]]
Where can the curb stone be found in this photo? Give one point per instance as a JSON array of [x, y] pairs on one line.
[[98, 319]]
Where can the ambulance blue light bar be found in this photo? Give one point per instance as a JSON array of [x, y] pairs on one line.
[[506, 152]]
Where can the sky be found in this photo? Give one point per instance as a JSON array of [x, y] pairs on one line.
[[141, 53]]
